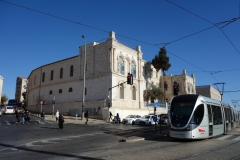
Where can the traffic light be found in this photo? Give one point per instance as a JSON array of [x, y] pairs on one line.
[[128, 78], [175, 90]]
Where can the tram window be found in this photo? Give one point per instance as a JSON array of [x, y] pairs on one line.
[[198, 115], [217, 115], [209, 113]]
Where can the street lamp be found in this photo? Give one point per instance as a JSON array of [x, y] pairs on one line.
[[84, 69]]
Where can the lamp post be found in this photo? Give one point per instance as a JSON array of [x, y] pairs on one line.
[[84, 69]]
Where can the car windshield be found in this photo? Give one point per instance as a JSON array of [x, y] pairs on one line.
[[130, 116], [181, 111], [146, 116], [10, 108]]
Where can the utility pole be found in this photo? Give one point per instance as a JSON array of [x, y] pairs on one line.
[[221, 92], [84, 70]]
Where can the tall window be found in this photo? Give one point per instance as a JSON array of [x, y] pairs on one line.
[[121, 91], [51, 74], [61, 73], [50, 92], [70, 89], [133, 69], [71, 71], [134, 93], [43, 76], [60, 91], [120, 65]]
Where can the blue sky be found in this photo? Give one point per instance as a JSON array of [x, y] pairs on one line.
[[35, 33]]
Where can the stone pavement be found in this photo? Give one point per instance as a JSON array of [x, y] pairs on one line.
[[73, 120]]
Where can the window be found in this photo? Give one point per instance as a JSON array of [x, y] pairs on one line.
[[61, 73], [70, 89], [134, 93], [133, 69], [156, 74], [121, 91], [43, 76], [71, 71], [51, 74], [85, 91], [50, 92], [60, 91], [120, 65], [198, 115], [217, 115]]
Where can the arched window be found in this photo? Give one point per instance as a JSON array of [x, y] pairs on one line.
[[71, 71], [120, 65], [133, 69], [121, 91], [70, 89], [50, 92], [134, 93], [51, 74], [61, 73], [43, 76], [60, 91]]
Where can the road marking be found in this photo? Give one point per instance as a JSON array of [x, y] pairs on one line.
[[8, 123], [236, 139], [225, 137]]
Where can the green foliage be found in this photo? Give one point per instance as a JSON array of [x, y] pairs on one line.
[[161, 61], [153, 93], [4, 99]]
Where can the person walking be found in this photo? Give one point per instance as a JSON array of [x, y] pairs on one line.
[[86, 115], [118, 118], [23, 118], [57, 115], [60, 121], [110, 116], [43, 117], [17, 116]]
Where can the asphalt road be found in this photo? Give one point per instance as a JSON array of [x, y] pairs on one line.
[[105, 141]]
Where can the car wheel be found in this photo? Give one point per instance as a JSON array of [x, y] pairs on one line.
[[133, 122]]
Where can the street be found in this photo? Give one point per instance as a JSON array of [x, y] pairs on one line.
[[104, 140]]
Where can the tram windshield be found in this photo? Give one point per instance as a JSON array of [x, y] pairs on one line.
[[181, 110]]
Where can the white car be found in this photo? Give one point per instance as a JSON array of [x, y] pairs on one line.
[[9, 110], [131, 119], [147, 120]]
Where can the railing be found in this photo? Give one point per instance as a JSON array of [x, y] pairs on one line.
[[162, 105]]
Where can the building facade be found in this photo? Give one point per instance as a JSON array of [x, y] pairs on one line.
[[1, 86], [107, 67], [21, 85], [208, 91], [186, 84]]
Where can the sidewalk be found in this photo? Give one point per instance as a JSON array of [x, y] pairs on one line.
[[73, 120]]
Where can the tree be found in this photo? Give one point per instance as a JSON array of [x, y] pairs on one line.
[[153, 93], [161, 61], [4, 99]]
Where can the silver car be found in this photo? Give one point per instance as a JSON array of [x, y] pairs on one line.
[[131, 119], [147, 120], [9, 110]]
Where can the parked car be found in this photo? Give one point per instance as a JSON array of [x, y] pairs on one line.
[[131, 119], [164, 119], [147, 120], [9, 110], [0, 113]]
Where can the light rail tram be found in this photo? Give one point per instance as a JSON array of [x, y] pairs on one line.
[[198, 117]]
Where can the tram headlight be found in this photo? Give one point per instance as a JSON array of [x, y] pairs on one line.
[[188, 127]]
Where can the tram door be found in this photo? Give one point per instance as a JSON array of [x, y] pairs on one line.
[[210, 120]]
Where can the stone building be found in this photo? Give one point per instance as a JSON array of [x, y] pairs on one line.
[[208, 91], [1, 85], [186, 84], [107, 66], [21, 85]]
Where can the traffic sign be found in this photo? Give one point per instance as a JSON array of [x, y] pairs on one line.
[[154, 118]]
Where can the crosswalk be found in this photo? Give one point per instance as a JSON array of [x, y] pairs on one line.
[[12, 123], [232, 137]]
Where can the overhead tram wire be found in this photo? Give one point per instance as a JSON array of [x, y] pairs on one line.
[[116, 34], [216, 24]]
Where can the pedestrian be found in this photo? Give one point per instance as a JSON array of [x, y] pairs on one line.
[[57, 115], [86, 115], [23, 118], [118, 118], [60, 121], [110, 116], [43, 117], [17, 116]]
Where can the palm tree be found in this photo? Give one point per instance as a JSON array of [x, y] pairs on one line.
[[153, 93]]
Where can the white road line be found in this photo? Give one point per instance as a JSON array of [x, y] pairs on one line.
[[236, 139], [225, 137]]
